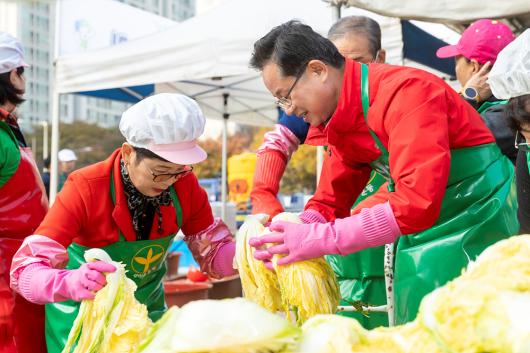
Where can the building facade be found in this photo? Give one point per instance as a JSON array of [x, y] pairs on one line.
[[33, 23]]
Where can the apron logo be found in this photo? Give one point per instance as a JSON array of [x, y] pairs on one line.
[[148, 259]]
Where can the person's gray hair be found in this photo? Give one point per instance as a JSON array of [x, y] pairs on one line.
[[358, 25]]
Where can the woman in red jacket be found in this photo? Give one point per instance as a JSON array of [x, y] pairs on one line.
[[131, 205], [23, 204], [450, 192]]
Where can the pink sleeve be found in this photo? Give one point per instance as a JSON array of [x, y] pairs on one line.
[[280, 139], [214, 249], [37, 249]]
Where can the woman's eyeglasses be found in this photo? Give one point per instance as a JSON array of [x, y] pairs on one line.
[[159, 178]]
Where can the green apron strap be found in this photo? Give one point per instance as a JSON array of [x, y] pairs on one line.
[[176, 203], [174, 197], [365, 100], [486, 105]]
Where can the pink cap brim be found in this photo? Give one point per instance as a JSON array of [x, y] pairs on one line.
[[447, 52], [184, 153]]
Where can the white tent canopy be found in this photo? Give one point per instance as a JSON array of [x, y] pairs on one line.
[[207, 57], [446, 11]]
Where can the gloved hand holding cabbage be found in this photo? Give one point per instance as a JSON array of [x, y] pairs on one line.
[[302, 289]]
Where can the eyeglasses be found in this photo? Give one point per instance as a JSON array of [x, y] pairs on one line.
[[285, 102], [523, 146], [159, 178]]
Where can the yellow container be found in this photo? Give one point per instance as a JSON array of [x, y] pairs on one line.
[[240, 176]]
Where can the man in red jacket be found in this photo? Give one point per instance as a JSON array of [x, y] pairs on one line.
[[357, 38], [449, 191]]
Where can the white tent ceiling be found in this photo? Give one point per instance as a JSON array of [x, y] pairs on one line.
[[207, 57]]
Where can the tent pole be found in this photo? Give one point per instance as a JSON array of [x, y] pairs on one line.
[[336, 11], [54, 167], [54, 150], [224, 155]]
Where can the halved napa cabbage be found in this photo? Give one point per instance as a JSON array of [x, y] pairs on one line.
[[222, 326], [330, 334], [259, 284], [307, 287], [302, 289], [114, 322]]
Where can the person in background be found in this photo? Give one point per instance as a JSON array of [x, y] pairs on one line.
[[23, 204], [46, 175], [131, 205], [510, 79], [448, 194], [67, 160], [474, 53], [357, 38]]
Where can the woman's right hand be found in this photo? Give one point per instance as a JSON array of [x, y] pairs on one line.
[[84, 282]]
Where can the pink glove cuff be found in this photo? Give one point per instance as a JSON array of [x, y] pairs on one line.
[[25, 279], [312, 216], [223, 261], [280, 139], [372, 227], [206, 244]]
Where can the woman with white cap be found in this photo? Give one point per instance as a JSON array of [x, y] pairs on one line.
[[131, 205], [67, 159], [510, 79], [23, 204]]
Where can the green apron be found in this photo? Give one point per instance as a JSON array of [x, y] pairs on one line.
[[145, 264], [479, 208], [361, 275]]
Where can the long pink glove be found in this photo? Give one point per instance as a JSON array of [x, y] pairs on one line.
[[372, 227], [41, 284]]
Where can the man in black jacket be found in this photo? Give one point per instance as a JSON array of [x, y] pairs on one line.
[[475, 53]]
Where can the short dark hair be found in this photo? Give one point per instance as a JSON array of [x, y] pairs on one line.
[[517, 112], [8, 92], [142, 153], [358, 25], [47, 162], [291, 46]]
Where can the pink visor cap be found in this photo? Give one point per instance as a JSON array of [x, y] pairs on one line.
[[482, 41], [167, 124], [184, 153]]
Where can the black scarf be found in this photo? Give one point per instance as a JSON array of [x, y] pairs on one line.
[[142, 206]]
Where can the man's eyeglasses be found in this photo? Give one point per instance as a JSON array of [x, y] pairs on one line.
[[159, 178], [285, 102], [520, 143]]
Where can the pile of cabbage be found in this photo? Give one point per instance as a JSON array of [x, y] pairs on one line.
[[300, 290], [486, 309]]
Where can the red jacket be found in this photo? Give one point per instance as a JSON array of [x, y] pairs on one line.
[[85, 214], [419, 119]]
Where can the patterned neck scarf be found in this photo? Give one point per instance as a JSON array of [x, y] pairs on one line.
[[138, 202]]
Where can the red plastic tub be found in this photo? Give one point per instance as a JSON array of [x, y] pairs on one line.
[[180, 292]]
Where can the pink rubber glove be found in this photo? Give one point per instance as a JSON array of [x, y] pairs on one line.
[[372, 227], [41, 284]]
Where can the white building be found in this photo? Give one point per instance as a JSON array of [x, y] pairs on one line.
[[32, 23]]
